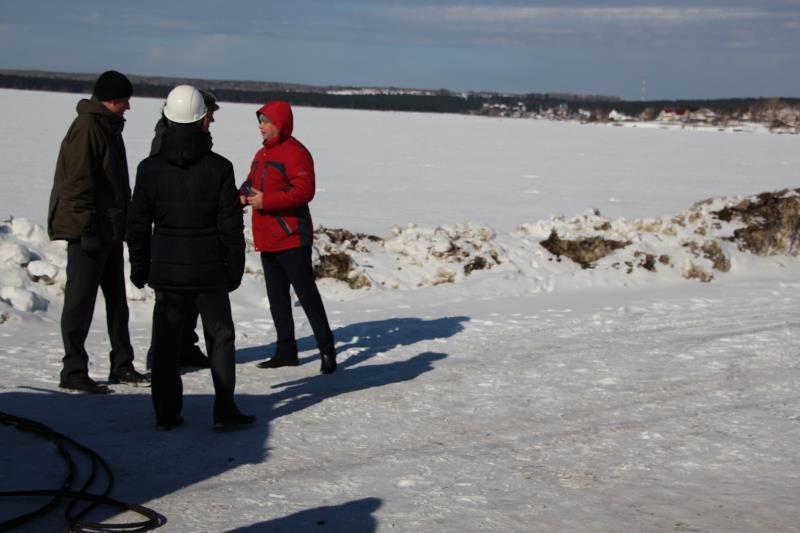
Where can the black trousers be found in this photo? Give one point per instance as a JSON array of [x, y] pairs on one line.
[[188, 337], [171, 313], [293, 268], [86, 272]]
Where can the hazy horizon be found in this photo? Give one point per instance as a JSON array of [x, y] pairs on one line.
[[626, 48]]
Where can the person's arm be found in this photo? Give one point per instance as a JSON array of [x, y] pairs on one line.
[[139, 231], [246, 189], [81, 162], [299, 190], [230, 225]]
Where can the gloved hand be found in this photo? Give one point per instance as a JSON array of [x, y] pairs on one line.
[[138, 278], [233, 284], [90, 243]]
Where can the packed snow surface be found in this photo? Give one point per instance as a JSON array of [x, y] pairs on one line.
[[485, 383]]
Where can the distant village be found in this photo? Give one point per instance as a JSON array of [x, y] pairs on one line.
[[778, 115], [774, 114]]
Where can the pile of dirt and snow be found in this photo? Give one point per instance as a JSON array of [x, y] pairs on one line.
[[699, 243], [771, 222], [696, 243]]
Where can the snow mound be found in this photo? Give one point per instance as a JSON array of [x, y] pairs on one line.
[[700, 243], [412, 257], [23, 299], [696, 243], [31, 268]]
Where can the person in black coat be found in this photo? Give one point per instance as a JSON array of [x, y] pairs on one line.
[[191, 356], [87, 209], [186, 240]]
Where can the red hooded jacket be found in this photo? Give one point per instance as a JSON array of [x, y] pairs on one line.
[[283, 170]]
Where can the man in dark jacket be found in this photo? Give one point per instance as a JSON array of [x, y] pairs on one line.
[[279, 187], [88, 205], [186, 240], [191, 355]]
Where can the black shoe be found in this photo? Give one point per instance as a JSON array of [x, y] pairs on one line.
[[234, 421], [328, 365], [278, 361], [194, 358], [170, 424], [84, 384], [128, 376]]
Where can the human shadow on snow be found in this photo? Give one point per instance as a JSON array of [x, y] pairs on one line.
[[369, 338], [351, 517], [149, 465]]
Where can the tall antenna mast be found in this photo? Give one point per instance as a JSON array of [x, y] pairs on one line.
[[644, 88]]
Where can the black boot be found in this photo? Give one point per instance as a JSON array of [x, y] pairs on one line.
[[233, 421], [167, 425], [84, 384], [328, 365], [194, 357], [129, 375], [277, 361]]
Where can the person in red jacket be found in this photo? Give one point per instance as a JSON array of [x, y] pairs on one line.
[[279, 187]]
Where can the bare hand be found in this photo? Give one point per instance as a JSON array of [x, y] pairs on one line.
[[256, 200]]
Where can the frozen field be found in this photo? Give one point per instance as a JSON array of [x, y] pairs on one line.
[[530, 396]]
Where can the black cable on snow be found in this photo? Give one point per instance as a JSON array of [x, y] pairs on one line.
[[73, 518]]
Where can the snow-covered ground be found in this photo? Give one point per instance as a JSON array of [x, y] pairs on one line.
[[484, 383]]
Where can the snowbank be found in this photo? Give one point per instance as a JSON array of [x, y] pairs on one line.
[[700, 243]]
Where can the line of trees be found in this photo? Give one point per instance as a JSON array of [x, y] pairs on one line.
[[439, 101]]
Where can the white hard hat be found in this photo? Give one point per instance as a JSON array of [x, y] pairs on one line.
[[184, 105]]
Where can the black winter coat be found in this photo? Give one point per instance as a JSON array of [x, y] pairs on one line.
[[185, 227], [90, 192]]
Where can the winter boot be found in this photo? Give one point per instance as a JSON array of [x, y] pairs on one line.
[[194, 357], [129, 375], [167, 425], [235, 420], [277, 361], [84, 384], [328, 365]]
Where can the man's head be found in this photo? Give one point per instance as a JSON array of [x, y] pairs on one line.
[[211, 105], [267, 128], [275, 121], [185, 105], [114, 90]]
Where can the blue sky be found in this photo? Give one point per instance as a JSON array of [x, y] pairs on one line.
[[684, 49]]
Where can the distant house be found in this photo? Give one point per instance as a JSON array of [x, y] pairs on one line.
[[671, 114], [616, 116], [702, 115]]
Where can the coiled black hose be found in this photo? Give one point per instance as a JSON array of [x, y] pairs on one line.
[[72, 516]]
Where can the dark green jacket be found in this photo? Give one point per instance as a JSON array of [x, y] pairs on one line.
[[91, 188]]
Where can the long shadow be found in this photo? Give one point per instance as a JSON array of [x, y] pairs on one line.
[[303, 393], [371, 338], [351, 517], [148, 465]]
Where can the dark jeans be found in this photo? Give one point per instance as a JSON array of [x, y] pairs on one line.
[[293, 267], [86, 272], [171, 313]]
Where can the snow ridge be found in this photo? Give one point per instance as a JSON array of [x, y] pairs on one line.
[[703, 242]]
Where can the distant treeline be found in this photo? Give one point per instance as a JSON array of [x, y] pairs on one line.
[[436, 103], [441, 101]]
